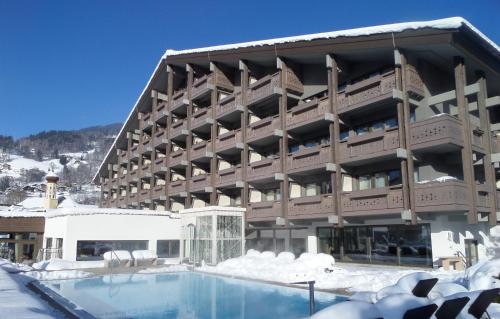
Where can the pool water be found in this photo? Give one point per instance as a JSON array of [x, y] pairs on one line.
[[186, 295]]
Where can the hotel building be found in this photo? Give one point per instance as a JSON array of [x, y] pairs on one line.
[[375, 145]]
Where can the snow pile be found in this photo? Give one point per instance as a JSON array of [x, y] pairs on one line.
[[441, 179], [58, 275], [18, 164], [61, 264], [172, 268], [393, 301], [144, 254], [117, 254]]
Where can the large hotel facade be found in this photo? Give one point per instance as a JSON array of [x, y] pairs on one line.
[[374, 145]]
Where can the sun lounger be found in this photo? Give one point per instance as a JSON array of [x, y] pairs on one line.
[[424, 312], [451, 308], [485, 298], [423, 287]]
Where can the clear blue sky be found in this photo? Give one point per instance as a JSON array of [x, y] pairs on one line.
[[73, 64]]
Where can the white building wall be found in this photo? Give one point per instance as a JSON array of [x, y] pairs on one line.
[[110, 227]]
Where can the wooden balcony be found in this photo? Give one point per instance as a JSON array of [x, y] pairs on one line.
[[269, 86], [483, 197], [229, 141], [263, 170], [123, 157], [310, 159], [177, 188], [145, 121], [265, 130], [122, 202], [443, 133], [178, 158], [374, 201], [479, 140], [200, 184], [180, 102], [145, 171], [160, 165], [122, 179], [263, 211], [450, 195], [178, 130], [161, 112], [159, 192], [230, 177], [146, 145], [311, 206], [160, 139], [133, 199], [134, 152], [309, 116], [145, 196], [370, 147], [203, 86], [229, 108], [376, 90], [202, 118], [201, 150]]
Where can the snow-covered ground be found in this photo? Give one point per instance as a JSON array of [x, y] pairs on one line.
[[17, 301]]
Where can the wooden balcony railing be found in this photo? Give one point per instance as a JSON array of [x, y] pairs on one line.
[[228, 176], [263, 128], [229, 105], [178, 128], [161, 110], [435, 131], [311, 206], [373, 201], [441, 196], [159, 192], [270, 85], [309, 158], [201, 117], [179, 100], [307, 113], [199, 182], [263, 169], [176, 187], [370, 145], [201, 150], [178, 158], [228, 140], [145, 121], [263, 211]]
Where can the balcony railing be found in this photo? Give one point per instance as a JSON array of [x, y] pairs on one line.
[[229, 176], [435, 131], [201, 150], [309, 158], [478, 140], [177, 187], [178, 128], [377, 88], [229, 105], [263, 211], [369, 146], [145, 121], [264, 88], [311, 206], [134, 152], [201, 117], [159, 192], [208, 82], [263, 128], [144, 195], [160, 165], [372, 201], [179, 100], [146, 171], [160, 138], [263, 169], [441, 196], [178, 158], [228, 140], [199, 183], [161, 110], [307, 113]]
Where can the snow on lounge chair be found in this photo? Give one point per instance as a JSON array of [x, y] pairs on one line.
[[144, 258], [485, 298], [424, 312], [451, 308], [117, 258]]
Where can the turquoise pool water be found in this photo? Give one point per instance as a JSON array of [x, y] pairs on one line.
[[186, 295]]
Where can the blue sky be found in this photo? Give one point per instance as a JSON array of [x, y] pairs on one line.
[[73, 64]]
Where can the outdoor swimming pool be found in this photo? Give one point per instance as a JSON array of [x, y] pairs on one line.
[[186, 295]]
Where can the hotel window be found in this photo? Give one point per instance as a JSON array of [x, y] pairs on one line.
[[377, 126], [380, 180], [362, 130], [293, 148], [394, 177], [311, 189], [167, 248], [344, 135], [255, 196], [294, 190], [365, 182], [346, 183], [391, 122]]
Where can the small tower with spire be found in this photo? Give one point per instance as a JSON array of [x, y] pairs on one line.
[[51, 191]]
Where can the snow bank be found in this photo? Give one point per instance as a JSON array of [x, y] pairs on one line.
[[121, 254], [144, 254], [58, 275], [61, 264]]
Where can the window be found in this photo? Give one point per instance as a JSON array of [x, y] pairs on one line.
[[167, 248], [377, 126], [346, 183], [362, 130], [380, 180], [391, 122], [326, 187], [311, 190], [365, 182], [93, 250], [394, 177], [293, 148], [344, 135], [294, 190]]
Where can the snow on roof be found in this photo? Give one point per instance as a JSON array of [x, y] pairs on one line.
[[92, 210], [440, 24], [444, 24], [36, 204]]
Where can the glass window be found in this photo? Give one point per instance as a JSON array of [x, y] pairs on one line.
[[311, 190], [380, 180], [346, 183], [293, 148], [93, 250], [391, 122], [362, 130], [326, 187], [412, 117], [394, 177], [294, 190], [310, 143], [365, 182], [167, 248], [270, 195], [377, 126], [344, 135]]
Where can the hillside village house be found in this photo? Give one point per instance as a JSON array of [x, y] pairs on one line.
[[375, 145]]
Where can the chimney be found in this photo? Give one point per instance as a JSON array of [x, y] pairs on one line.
[[50, 201]]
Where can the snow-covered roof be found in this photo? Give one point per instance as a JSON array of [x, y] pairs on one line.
[[440, 24], [35, 204], [92, 210]]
